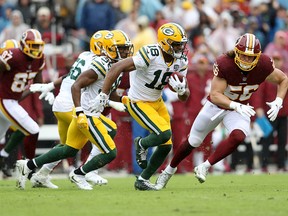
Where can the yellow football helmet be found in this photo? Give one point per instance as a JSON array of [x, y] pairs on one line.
[[119, 46], [96, 41], [32, 44], [172, 39], [11, 43]]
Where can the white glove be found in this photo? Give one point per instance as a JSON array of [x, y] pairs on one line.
[[275, 106], [42, 87], [177, 85], [99, 103], [49, 97], [117, 106], [244, 110]]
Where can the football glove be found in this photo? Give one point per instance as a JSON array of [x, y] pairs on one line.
[[99, 103], [177, 85], [42, 87], [244, 110], [116, 105], [49, 97], [275, 106], [82, 122]]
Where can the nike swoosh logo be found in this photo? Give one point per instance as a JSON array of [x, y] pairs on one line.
[[74, 179], [23, 173]]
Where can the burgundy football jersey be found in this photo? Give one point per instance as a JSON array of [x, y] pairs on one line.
[[241, 84], [19, 70]]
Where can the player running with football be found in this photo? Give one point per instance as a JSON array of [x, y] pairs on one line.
[[237, 74], [87, 123], [149, 71]]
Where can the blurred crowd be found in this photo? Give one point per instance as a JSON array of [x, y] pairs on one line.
[[212, 26]]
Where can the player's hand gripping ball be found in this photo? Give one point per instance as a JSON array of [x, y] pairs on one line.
[[177, 84]]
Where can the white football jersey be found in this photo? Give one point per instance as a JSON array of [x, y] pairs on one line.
[[152, 73], [64, 102], [101, 65]]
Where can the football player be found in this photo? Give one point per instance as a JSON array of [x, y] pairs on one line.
[[20, 63], [237, 74], [88, 123], [63, 107], [150, 71]]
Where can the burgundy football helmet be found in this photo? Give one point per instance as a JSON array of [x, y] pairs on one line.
[[248, 45], [32, 44]]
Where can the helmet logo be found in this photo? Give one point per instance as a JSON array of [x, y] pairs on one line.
[[98, 35], [168, 31], [109, 35]]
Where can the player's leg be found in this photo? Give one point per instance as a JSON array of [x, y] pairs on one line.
[[42, 177], [238, 127], [147, 115], [74, 136], [154, 117], [99, 136], [199, 130]]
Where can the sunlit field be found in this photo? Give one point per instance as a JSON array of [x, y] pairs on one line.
[[230, 194]]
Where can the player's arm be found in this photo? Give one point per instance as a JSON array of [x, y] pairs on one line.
[[279, 78], [114, 96], [125, 65], [2, 68], [218, 86], [37, 79], [86, 78]]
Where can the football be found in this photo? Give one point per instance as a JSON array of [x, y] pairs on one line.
[[180, 76]]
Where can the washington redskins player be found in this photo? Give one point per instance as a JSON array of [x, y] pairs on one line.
[[18, 66], [237, 74]]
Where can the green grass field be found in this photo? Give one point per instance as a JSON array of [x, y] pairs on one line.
[[245, 195]]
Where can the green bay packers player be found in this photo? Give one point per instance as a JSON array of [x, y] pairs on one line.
[[63, 107], [87, 124], [150, 70]]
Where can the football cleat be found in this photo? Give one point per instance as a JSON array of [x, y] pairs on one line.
[[7, 172], [23, 172], [95, 179], [162, 180], [201, 173], [144, 185], [80, 181], [39, 180], [141, 153]]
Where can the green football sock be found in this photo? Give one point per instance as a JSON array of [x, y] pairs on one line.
[[156, 160], [99, 161], [155, 140], [14, 140], [57, 153]]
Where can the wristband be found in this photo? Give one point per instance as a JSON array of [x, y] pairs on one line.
[[78, 110]]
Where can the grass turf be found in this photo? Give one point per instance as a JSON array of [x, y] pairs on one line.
[[223, 195]]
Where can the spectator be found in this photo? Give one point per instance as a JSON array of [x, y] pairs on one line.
[[146, 34], [172, 11], [129, 24], [224, 36], [44, 25], [15, 30], [5, 12], [27, 11], [92, 22], [159, 20], [279, 44], [265, 93], [149, 8]]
